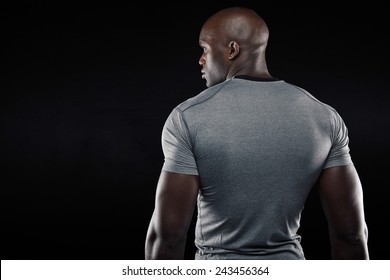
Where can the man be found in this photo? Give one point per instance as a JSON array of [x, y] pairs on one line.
[[247, 151]]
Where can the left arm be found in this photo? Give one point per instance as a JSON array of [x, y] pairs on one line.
[[341, 195], [176, 196]]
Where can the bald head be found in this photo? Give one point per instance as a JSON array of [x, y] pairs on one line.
[[238, 24], [234, 42]]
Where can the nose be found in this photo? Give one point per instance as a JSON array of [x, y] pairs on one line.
[[201, 60]]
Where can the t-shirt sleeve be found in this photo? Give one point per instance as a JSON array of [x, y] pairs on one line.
[[176, 146], [339, 153]]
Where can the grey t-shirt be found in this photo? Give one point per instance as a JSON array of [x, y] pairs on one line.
[[258, 147]]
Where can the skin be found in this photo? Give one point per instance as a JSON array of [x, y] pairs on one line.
[[341, 195], [234, 41]]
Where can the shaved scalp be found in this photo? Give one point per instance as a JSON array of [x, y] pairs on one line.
[[238, 24], [238, 37]]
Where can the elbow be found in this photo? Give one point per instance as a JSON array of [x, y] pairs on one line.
[[350, 245], [365, 232], [150, 241], [350, 233], [172, 238], [166, 244], [352, 237]]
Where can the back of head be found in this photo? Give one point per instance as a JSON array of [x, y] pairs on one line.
[[238, 37], [239, 24]]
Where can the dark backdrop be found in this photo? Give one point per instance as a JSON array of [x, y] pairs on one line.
[[86, 89]]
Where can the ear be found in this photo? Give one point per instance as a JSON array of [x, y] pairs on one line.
[[234, 49]]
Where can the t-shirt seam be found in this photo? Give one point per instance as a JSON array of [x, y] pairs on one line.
[[201, 101], [309, 95]]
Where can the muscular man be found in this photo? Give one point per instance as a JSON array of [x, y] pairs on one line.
[[247, 151]]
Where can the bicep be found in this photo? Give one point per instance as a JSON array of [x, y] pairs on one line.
[[176, 196], [342, 199]]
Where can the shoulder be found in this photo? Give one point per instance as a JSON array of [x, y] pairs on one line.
[[311, 100], [322, 111]]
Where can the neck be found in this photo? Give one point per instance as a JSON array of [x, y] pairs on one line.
[[249, 67], [258, 73]]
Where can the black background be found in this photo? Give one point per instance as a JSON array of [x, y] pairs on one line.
[[86, 88]]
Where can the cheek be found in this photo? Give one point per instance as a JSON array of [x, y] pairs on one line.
[[216, 62]]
